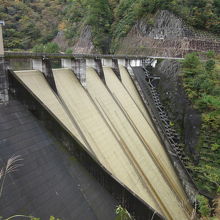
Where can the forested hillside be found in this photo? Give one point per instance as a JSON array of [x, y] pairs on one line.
[[201, 83], [32, 22]]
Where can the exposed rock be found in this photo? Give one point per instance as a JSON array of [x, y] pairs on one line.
[[84, 43], [61, 41], [186, 119], [168, 26], [169, 36]]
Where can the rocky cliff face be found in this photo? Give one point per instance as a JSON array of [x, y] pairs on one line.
[[186, 120], [82, 44], [168, 36], [61, 40], [162, 35]]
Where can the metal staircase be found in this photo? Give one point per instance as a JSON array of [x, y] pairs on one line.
[[164, 121]]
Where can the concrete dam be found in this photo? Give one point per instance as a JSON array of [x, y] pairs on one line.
[[115, 154]]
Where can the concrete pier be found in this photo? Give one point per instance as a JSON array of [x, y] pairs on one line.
[[123, 62], [112, 63], [78, 66], [43, 65], [96, 64]]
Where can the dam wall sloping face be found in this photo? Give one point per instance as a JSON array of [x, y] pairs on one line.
[[41, 90], [49, 182], [118, 133], [130, 88]]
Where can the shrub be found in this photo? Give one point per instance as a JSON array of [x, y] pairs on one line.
[[39, 48], [204, 207], [51, 48], [47, 48], [210, 65], [69, 51]]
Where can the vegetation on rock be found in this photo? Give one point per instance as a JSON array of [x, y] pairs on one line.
[[47, 48], [201, 81]]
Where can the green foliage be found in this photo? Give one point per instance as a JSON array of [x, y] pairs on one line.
[[191, 61], [39, 48], [73, 15], [35, 22], [204, 207], [201, 83], [208, 102], [50, 47], [53, 218], [69, 51], [29, 22], [210, 54], [99, 17], [210, 65], [122, 214]]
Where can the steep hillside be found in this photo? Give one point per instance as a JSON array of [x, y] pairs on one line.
[[30, 22], [190, 91], [105, 26], [166, 35]]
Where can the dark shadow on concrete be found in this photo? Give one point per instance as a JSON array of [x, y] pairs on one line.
[[50, 182]]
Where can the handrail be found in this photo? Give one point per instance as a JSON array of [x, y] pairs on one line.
[[25, 54]]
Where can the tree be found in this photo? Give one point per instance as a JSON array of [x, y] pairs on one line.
[[210, 65], [39, 48], [51, 48], [69, 51], [191, 61], [100, 18], [47, 48]]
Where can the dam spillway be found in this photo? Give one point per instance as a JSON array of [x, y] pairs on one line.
[[110, 122]]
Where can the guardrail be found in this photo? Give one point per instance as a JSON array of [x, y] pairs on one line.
[[9, 54], [24, 54]]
